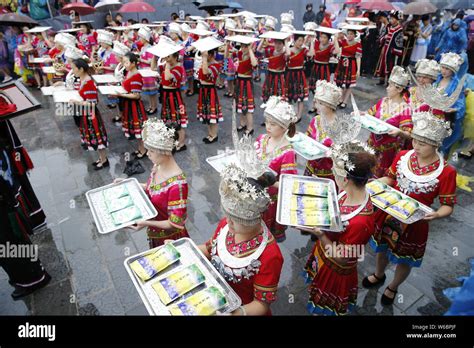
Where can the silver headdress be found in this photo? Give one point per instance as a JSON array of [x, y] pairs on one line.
[[241, 200], [428, 68], [342, 164], [429, 129], [451, 61], [435, 98], [157, 136], [280, 111], [399, 76], [328, 93]]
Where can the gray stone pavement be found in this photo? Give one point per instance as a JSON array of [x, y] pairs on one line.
[[88, 276]]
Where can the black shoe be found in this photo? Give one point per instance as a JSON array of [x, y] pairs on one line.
[[100, 166], [249, 133], [182, 148], [84, 146], [151, 112], [241, 128], [312, 111], [343, 105], [366, 283], [465, 154], [380, 83], [22, 292], [262, 124], [139, 155], [387, 301], [112, 106], [299, 120], [95, 163], [208, 141]]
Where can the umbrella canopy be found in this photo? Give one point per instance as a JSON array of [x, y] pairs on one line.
[[419, 8], [79, 7], [136, 7], [213, 5], [233, 4], [108, 5], [352, 2], [377, 5], [399, 6], [16, 19], [461, 5]]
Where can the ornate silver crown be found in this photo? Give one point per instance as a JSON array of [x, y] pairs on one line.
[[241, 200], [435, 98], [271, 22], [328, 93], [427, 67], [280, 111], [429, 128], [451, 60], [286, 18], [156, 135], [399, 76]]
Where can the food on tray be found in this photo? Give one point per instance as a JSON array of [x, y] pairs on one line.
[[305, 145], [150, 265], [178, 283], [115, 192], [126, 215], [386, 199], [308, 202], [204, 302], [308, 217], [375, 187], [119, 203], [310, 188], [404, 208], [373, 125]]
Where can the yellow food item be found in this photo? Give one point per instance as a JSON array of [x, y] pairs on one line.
[[150, 265], [404, 208], [204, 302]]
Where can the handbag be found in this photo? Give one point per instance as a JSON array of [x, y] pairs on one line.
[[133, 167]]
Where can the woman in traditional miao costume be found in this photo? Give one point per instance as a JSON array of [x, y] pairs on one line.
[[229, 69], [447, 83], [188, 62], [87, 38], [251, 24], [320, 52], [422, 174], [21, 55], [175, 34], [173, 109], [209, 108], [348, 67], [394, 110], [108, 58], [426, 72], [57, 55], [326, 99], [244, 93], [331, 269], [274, 83], [41, 46], [296, 84], [150, 87], [280, 120], [221, 34], [242, 249], [133, 114], [166, 188], [266, 24], [92, 128], [120, 50]]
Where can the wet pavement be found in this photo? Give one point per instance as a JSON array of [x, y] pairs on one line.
[[88, 276]]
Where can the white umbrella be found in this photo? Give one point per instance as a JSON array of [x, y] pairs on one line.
[[108, 5]]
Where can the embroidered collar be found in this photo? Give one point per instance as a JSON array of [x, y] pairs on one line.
[[157, 187], [277, 152]]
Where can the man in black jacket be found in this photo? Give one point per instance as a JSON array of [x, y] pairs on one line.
[[309, 15], [320, 14]]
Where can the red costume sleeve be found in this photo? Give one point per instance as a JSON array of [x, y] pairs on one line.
[[447, 186], [177, 204], [266, 280]]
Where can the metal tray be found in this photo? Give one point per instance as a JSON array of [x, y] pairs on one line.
[[66, 96], [103, 218], [285, 192], [419, 214], [319, 149], [111, 90], [107, 78], [364, 117], [222, 160], [190, 254]]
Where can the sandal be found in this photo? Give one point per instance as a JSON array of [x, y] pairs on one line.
[[387, 301], [366, 283]]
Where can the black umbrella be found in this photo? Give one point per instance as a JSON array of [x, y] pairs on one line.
[[213, 5], [16, 20]]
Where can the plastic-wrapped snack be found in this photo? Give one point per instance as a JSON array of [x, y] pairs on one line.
[[309, 217], [115, 192], [178, 283], [386, 199], [375, 187], [373, 125], [310, 188], [125, 215], [150, 265], [204, 302], [404, 208], [308, 202], [119, 203]]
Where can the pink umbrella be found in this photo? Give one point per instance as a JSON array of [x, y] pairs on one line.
[[352, 2], [376, 5], [136, 7], [80, 8]]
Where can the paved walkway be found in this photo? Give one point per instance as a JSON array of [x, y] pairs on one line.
[[87, 268]]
